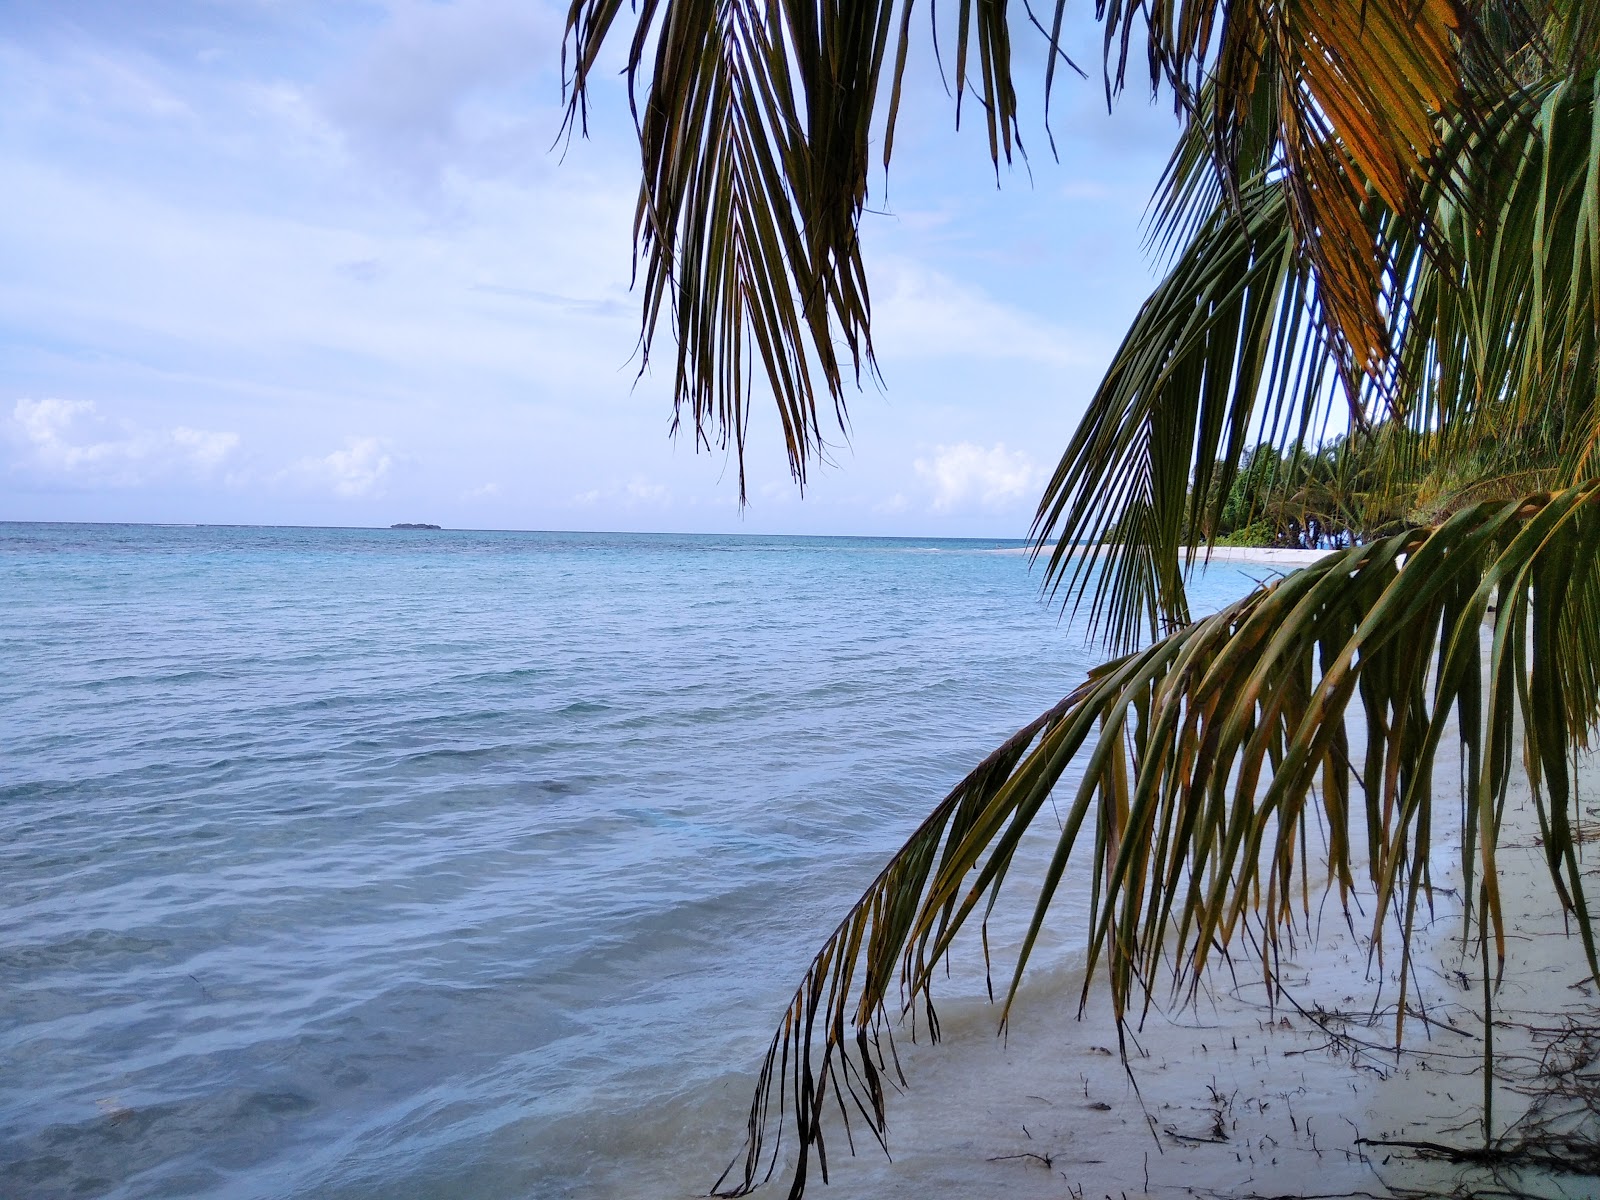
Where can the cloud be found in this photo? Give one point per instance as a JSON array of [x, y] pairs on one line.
[[407, 104], [88, 82], [649, 493], [925, 313], [576, 305], [69, 438], [356, 470], [966, 475], [896, 503], [204, 449], [636, 493]]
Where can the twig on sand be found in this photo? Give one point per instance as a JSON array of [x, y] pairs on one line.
[[1044, 1160]]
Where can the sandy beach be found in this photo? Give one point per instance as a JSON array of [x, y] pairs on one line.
[[1234, 1097], [1262, 554], [1265, 555]]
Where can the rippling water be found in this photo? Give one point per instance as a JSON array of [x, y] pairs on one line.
[[374, 863]]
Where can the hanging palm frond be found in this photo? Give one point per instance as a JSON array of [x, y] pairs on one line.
[[1231, 322], [1204, 758], [1352, 95], [1496, 369], [1501, 334], [755, 129]]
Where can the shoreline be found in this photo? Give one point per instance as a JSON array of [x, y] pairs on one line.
[[1265, 555]]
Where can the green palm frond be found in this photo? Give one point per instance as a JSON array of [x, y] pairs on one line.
[[1346, 99], [1501, 333], [1495, 372], [1231, 328], [1204, 757]]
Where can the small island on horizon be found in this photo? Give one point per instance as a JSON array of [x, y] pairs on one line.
[[411, 525]]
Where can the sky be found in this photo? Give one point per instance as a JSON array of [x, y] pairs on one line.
[[305, 262]]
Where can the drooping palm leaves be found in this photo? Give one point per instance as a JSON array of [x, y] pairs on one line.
[[1209, 754], [1493, 334], [1352, 95], [755, 127], [1229, 320]]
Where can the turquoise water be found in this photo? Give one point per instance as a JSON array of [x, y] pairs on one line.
[[371, 863]]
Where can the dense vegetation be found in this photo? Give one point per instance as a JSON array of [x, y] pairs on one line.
[[1350, 490]]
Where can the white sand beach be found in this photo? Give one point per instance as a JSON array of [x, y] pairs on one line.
[[1265, 555], [1262, 554]]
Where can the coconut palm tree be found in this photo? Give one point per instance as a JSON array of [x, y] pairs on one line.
[[1387, 209]]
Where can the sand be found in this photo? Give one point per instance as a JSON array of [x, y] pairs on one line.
[[1265, 555], [1237, 1098], [1262, 554]]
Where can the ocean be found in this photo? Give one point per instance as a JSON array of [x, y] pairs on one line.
[[360, 863]]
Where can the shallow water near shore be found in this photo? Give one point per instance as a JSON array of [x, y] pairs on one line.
[[369, 862]]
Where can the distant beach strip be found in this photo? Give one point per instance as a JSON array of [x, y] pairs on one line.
[[1270, 555]]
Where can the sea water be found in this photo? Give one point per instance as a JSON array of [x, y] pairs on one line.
[[360, 863]]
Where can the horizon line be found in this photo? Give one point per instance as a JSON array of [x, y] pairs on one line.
[[904, 537]]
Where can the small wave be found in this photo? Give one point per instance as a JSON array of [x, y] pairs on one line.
[[583, 707]]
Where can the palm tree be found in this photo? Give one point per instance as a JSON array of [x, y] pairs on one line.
[[1391, 206]]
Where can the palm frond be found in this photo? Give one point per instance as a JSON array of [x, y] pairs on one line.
[[755, 130], [1500, 335], [1233, 324], [1495, 327], [1203, 757], [1345, 103]]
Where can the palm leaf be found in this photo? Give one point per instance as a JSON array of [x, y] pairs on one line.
[[1231, 327], [1495, 371], [1347, 99], [1204, 756], [755, 130]]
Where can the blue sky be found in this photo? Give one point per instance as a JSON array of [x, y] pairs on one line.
[[295, 262]]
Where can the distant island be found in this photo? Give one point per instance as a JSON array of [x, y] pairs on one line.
[[409, 525]]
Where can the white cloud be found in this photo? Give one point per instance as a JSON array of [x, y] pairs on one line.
[[925, 313], [896, 503], [44, 423], [70, 438], [967, 475], [91, 81], [356, 470], [140, 274], [637, 493], [205, 449], [413, 103], [648, 493]]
